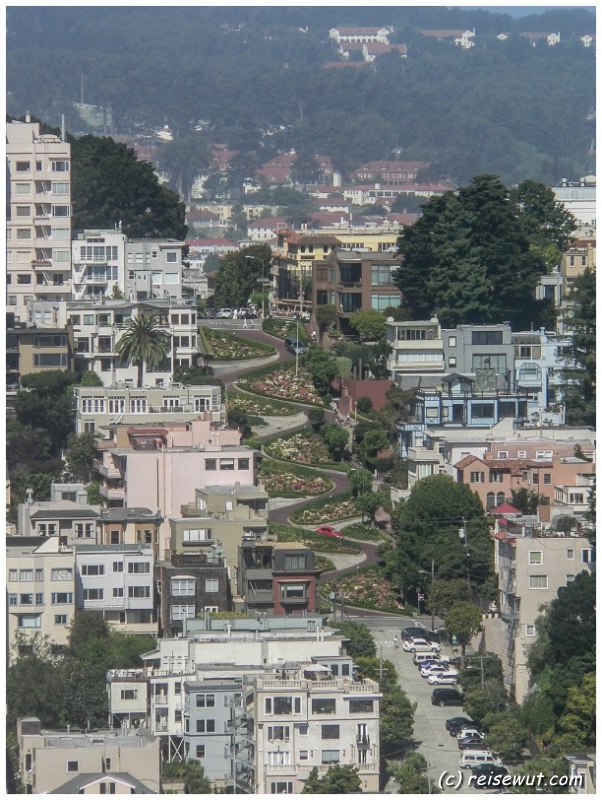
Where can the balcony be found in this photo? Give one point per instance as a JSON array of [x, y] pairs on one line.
[[54, 288], [510, 616], [161, 699], [259, 596], [110, 493], [289, 601], [106, 472], [135, 628], [362, 740]]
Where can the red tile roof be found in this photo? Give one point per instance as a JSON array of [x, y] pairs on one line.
[[505, 508]]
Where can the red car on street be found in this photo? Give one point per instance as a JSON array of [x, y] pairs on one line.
[[327, 530]]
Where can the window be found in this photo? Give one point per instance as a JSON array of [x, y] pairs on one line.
[[482, 411], [93, 594], [13, 575], [30, 621], [138, 567], [118, 592], [279, 733], [570, 578], [60, 166], [62, 598], [281, 787], [487, 337], [535, 479], [570, 554], [331, 756], [60, 211], [22, 188], [323, 705], [379, 302], [182, 612], [12, 600], [453, 361], [129, 694], [205, 726], [64, 574], [205, 701], [496, 476], [303, 755], [495, 362], [23, 211], [212, 585], [538, 581], [200, 751], [60, 619], [60, 187], [292, 591], [530, 630], [477, 477], [210, 463], [586, 557], [23, 166], [93, 569], [243, 463], [547, 479], [39, 599], [26, 600], [72, 766], [226, 463], [331, 732], [536, 557], [182, 588], [139, 591], [192, 536], [292, 563]]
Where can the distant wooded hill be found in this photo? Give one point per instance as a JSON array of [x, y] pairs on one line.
[[503, 107]]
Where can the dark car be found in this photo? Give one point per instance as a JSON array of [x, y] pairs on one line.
[[473, 743], [210, 313], [444, 696], [488, 775], [456, 723], [421, 633]]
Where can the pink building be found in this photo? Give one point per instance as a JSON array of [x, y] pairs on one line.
[[160, 466]]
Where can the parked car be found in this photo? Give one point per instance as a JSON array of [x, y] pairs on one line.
[[225, 313], [328, 530], [455, 724], [417, 645], [295, 346], [469, 730], [489, 771], [210, 313], [473, 758], [426, 656], [473, 743], [434, 668], [413, 633], [450, 677], [444, 696]]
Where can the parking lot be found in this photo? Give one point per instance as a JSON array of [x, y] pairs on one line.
[[434, 742]]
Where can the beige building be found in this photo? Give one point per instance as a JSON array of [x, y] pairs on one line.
[[41, 588], [38, 229], [531, 569], [581, 255], [30, 350], [49, 761]]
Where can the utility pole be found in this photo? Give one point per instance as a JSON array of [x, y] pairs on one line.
[[432, 582], [463, 534]]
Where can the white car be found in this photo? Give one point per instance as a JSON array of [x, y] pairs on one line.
[[434, 669], [442, 678], [225, 313], [421, 646]]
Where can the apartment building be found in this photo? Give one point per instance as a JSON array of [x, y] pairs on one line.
[[70, 521], [277, 577], [356, 280], [98, 258], [102, 762], [30, 350], [417, 352], [305, 717], [118, 581], [130, 526], [153, 269], [531, 569], [40, 584], [96, 408], [38, 228]]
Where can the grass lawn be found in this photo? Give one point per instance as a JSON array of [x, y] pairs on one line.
[[225, 346], [315, 541]]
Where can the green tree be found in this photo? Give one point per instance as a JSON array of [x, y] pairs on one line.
[[322, 367], [237, 418], [194, 778], [80, 457], [577, 726], [508, 737], [89, 378], [572, 619], [369, 503], [32, 681], [373, 442], [463, 621], [109, 186], [184, 159], [316, 418], [364, 405], [360, 480], [369, 324], [410, 775], [545, 219], [526, 501], [479, 703], [361, 641], [467, 259], [541, 765], [326, 315], [336, 440], [238, 275], [442, 594], [144, 343], [338, 779], [580, 387]]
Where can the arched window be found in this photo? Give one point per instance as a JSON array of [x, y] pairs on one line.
[[501, 498], [490, 501]]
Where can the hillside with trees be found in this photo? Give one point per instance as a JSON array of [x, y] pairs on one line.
[[255, 79]]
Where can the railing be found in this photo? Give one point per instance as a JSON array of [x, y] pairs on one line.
[[107, 472]]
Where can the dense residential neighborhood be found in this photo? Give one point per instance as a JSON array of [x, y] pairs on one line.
[[301, 487]]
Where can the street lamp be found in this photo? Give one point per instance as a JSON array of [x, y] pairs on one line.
[[463, 534]]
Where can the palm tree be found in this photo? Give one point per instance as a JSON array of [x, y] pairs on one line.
[[143, 343]]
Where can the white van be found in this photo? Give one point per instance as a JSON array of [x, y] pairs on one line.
[[420, 658], [472, 758]]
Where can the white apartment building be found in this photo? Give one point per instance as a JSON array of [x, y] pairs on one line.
[[40, 584], [98, 258], [38, 228], [153, 269], [531, 569], [118, 581], [97, 407]]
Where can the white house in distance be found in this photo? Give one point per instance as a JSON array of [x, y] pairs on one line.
[[361, 35]]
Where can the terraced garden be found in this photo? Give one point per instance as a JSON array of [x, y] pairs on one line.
[[225, 346], [259, 406], [315, 541], [288, 480]]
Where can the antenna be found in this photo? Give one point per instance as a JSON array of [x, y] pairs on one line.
[[62, 127]]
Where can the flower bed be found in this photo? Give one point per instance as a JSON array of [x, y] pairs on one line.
[[324, 564], [259, 406], [302, 448], [315, 541], [225, 346], [342, 507], [283, 384], [360, 531], [284, 480], [367, 589], [284, 329]]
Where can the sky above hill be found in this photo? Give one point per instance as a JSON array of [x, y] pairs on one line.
[[521, 11]]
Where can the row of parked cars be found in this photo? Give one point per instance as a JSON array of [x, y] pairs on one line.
[[439, 669], [228, 313]]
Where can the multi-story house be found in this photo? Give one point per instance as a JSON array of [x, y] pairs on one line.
[[356, 280], [41, 588], [389, 172], [346, 34], [130, 526], [531, 569], [580, 255], [96, 408], [225, 515], [153, 269], [580, 199], [277, 577], [293, 259], [38, 229], [417, 351], [98, 258], [70, 521], [100, 762], [118, 581], [189, 584], [305, 717], [30, 350]]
